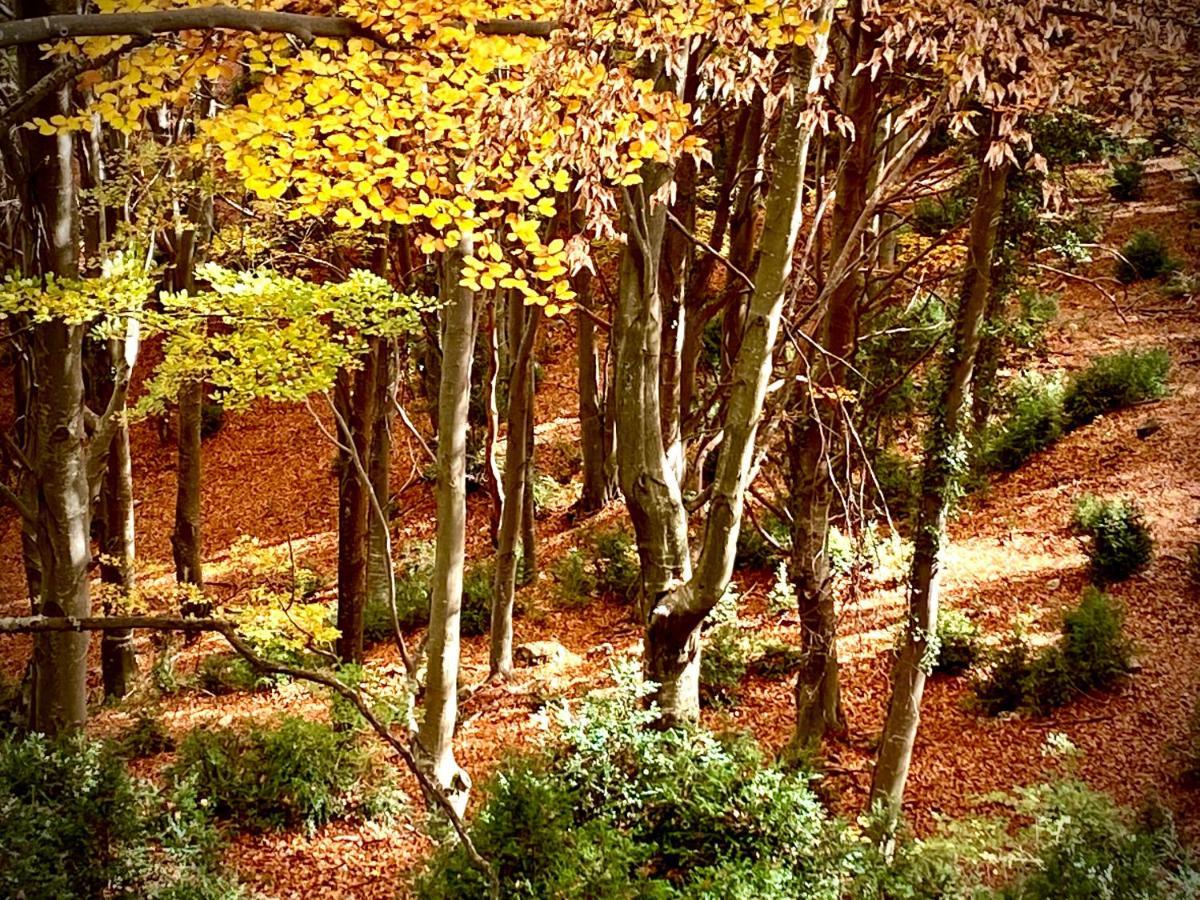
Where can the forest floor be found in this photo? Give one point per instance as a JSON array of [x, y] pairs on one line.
[[1013, 557]]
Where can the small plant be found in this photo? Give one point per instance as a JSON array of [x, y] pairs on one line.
[[1114, 382], [145, 736], [618, 569], [1121, 544], [775, 659], [782, 596], [1127, 178], [934, 216], [412, 597], [1003, 688], [899, 482], [958, 642], [296, 772], [1144, 256], [575, 575], [228, 673], [756, 551], [1035, 422], [476, 613], [724, 661], [1094, 647]]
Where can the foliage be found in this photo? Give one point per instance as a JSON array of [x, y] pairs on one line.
[[145, 736], [575, 575], [613, 808], [1144, 256], [295, 772], [934, 216], [1113, 382], [1034, 423], [476, 613], [77, 825], [756, 552], [958, 642], [899, 482], [1121, 544], [618, 569], [775, 659], [228, 673], [1091, 654], [1127, 180], [724, 661], [412, 593]]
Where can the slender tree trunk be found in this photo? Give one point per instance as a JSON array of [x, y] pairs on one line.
[[492, 477], [675, 272], [355, 398], [436, 736], [816, 448], [379, 467], [673, 633], [529, 552], [597, 489], [516, 459], [58, 437], [943, 463], [187, 546], [118, 659]]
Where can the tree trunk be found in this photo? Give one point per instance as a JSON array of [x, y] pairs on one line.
[[816, 448], [672, 658], [118, 659], [943, 463], [597, 488], [58, 438], [516, 467], [379, 467], [355, 398], [529, 553], [186, 540], [436, 736]]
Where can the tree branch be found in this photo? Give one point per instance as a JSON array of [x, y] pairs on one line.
[[42, 624], [11, 496], [149, 23]]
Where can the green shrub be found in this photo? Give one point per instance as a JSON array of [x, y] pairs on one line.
[[1121, 544], [145, 736], [756, 552], [934, 216], [616, 809], [1144, 256], [958, 642], [296, 772], [1035, 422], [575, 575], [899, 482], [413, 589], [1127, 180], [724, 661], [1114, 382], [775, 659], [476, 613], [618, 569], [228, 673], [76, 825], [1091, 654]]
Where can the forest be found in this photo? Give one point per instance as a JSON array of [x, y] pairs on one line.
[[600, 449]]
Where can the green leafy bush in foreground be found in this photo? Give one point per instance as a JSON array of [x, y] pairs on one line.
[[612, 808], [75, 824], [1035, 422], [1144, 256], [1121, 543], [295, 772], [1114, 382]]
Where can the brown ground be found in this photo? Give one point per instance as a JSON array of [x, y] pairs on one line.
[[268, 474]]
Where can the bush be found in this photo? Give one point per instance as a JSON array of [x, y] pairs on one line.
[[1121, 544], [1127, 180], [413, 590], [76, 825], [476, 613], [296, 772], [1144, 256], [958, 643], [1036, 422], [575, 575], [145, 736], [899, 481], [754, 551], [934, 216], [724, 661], [775, 659], [1114, 382], [228, 673], [616, 809], [1091, 654], [618, 569]]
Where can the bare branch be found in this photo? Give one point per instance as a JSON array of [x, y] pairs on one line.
[[11, 496], [149, 23]]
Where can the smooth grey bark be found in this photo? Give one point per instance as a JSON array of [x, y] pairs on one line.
[[356, 394], [118, 658], [815, 444], [944, 459], [491, 470], [529, 551], [597, 487], [516, 469], [379, 467], [436, 735], [187, 546]]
